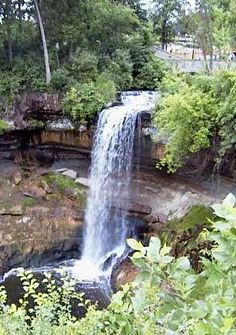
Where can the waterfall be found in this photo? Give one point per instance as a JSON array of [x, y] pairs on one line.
[[105, 219]]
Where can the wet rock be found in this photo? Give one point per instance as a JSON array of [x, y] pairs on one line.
[[60, 170], [135, 208], [35, 110], [124, 273], [79, 216], [39, 238]]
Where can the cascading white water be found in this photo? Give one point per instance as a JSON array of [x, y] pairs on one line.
[[106, 224]]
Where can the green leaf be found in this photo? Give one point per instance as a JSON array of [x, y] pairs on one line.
[[153, 250], [222, 225], [228, 323], [137, 255], [220, 210], [229, 200], [135, 245], [183, 263]]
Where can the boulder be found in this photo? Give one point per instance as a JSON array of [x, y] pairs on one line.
[[124, 273], [17, 178], [46, 187], [70, 173], [34, 192], [83, 181]]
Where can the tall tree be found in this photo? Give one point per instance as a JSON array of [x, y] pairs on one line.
[[44, 42], [7, 15], [211, 28], [165, 16]]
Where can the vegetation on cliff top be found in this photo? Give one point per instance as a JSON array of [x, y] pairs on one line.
[[197, 113]]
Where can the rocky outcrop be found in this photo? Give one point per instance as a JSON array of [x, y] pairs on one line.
[[40, 223], [34, 109], [125, 272]]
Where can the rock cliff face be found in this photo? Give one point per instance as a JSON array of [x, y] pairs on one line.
[[35, 109], [40, 222]]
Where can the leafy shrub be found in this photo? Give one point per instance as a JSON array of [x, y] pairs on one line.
[[187, 118], [83, 66], [3, 126], [181, 301], [151, 73], [25, 75], [120, 70], [196, 113], [60, 79], [83, 101]]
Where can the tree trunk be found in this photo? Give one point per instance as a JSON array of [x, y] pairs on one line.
[[44, 42], [9, 44], [8, 19], [71, 50], [211, 62], [205, 59], [9, 47]]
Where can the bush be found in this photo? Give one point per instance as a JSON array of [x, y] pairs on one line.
[[120, 70], [187, 118], [83, 101], [3, 126], [151, 74], [83, 66], [60, 79], [196, 113], [25, 75]]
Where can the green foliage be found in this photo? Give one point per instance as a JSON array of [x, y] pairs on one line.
[[60, 79], [65, 185], [120, 69], [3, 126], [25, 75], [198, 214], [165, 18], [186, 117], [194, 113], [151, 73], [83, 66], [83, 101], [50, 313], [28, 202]]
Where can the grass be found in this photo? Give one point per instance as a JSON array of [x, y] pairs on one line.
[[3, 126], [28, 202], [61, 182], [64, 183]]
